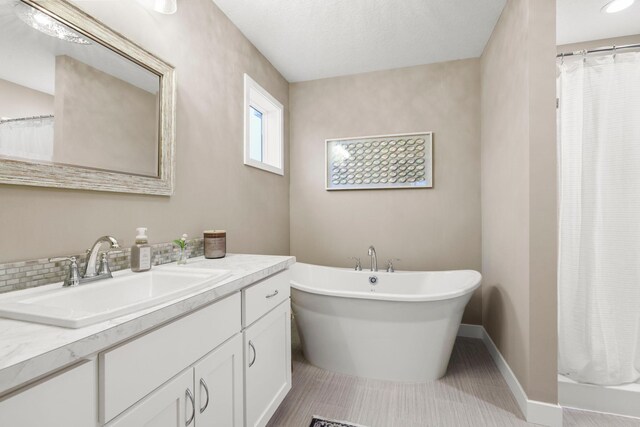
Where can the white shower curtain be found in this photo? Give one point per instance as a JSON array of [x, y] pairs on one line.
[[599, 257], [27, 139]]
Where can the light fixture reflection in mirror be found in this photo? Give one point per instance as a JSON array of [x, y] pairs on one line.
[[616, 6], [46, 24], [167, 7]]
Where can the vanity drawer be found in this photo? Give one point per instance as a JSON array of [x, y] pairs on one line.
[[264, 296], [132, 370], [66, 398]]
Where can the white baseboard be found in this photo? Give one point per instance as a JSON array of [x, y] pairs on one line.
[[544, 414], [471, 331], [622, 400], [536, 412]]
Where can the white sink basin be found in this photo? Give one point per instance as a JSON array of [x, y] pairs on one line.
[[106, 299]]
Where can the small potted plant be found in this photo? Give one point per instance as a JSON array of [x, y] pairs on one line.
[[182, 244]]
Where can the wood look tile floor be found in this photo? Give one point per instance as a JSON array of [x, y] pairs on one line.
[[472, 393]]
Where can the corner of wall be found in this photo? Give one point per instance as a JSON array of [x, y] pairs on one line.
[[518, 194], [543, 369]]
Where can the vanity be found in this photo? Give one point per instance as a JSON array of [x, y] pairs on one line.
[[218, 356], [204, 344]]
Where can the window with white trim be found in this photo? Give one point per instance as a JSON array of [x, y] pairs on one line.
[[263, 129]]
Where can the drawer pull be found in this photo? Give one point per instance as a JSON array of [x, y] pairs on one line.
[[251, 347], [273, 294], [206, 389], [189, 396]]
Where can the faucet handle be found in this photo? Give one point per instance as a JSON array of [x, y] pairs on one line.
[[112, 251], [74, 275], [390, 262], [104, 269], [358, 266], [64, 258]]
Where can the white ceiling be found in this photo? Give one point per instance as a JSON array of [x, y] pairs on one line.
[[313, 39], [581, 20]]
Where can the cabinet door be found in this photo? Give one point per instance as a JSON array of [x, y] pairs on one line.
[[66, 399], [219, 386], [267, 364], [171, 405]]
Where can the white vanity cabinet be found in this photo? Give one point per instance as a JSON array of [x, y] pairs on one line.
[[205, 395], [133, 370], [267, 364], [225, 364], [169, 406], [267, 347], [219, 386], [65, 399]]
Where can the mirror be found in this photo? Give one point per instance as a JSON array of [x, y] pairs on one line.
[[80, 105]]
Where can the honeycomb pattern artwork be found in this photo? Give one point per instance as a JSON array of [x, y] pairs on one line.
[[397, 161]]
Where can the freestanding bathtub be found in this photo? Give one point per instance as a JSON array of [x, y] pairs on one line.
[[402, 328]]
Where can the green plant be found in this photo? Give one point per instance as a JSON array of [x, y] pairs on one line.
[[181, 242]]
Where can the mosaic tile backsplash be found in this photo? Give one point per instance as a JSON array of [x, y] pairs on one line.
[[38, 272]]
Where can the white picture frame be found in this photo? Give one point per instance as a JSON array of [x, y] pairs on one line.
[[379, 162]]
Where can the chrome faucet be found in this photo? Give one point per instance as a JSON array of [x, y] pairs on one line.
[[92, 256], [374, 258], [390, 268], [90, 275], [358, 266]]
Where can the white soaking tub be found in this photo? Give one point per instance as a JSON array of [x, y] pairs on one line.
[[402, 328]]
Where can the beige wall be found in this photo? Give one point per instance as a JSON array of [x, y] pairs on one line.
[[519, 193], [20, 101], [428, 229], [439, 228], [213, 186], [102, 121]]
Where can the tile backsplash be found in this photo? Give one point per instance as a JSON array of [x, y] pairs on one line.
[[38, 272]]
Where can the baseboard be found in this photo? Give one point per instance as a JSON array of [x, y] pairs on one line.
[[622, 400], [541, 413], [544, 414], [471, 331]]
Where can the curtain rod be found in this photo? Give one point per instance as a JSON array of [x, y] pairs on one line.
[[50, 116], [601, 49]]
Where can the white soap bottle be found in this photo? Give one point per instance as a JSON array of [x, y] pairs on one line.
[[141, 252]]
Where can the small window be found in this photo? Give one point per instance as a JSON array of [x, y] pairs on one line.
[[263, 129], [256, 134]]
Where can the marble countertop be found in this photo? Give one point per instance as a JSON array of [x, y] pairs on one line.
[[31, 350]]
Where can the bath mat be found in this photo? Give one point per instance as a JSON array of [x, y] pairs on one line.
[[317, 421]]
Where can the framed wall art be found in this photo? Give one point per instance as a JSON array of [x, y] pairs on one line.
[[384, 161]]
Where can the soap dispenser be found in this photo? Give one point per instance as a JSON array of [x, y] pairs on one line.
[[141, 252]]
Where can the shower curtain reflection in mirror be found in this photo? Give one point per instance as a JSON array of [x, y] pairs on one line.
[[599, 211], [29, 138]]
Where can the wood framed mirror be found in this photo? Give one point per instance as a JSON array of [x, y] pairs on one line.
[[81, 106]]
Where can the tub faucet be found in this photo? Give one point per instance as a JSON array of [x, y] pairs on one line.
[[358, 266], [374, 258], [390, 268]]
